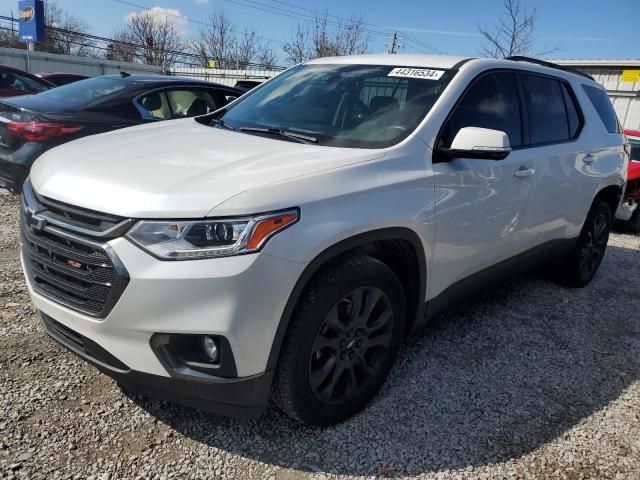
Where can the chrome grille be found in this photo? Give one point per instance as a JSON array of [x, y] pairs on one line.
[[77, 270]]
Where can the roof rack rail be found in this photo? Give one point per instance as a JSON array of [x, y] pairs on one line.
[[544, 63]]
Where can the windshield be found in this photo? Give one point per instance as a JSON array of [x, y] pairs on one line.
[[359, 106], [84, 92]]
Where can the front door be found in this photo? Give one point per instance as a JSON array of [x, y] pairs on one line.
[[482, 205]]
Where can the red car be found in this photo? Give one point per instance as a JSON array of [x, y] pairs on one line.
[[14, 82], [61, 78], [629, 212]]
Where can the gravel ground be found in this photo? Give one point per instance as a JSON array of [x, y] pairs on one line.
[[529, 381]]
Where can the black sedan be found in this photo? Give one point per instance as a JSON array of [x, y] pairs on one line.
[[33, 124]]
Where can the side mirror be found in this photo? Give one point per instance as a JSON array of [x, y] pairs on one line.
[[480, 143]]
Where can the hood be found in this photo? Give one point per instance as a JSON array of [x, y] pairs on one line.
[[176, 169]]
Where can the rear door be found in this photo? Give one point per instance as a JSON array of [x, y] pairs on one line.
[[555, 125], [481, 205]]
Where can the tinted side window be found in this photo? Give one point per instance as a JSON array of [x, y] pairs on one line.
[[603, 106], [156, 105], [547, 113], [15, 81], [491, 102], [190, 103], [572, 112]]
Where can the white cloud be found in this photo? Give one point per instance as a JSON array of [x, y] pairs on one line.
[[202, 2], [172, 15]]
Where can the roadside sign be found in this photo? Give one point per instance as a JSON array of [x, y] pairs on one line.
[[212, 63], [631, 75], [31, 23]]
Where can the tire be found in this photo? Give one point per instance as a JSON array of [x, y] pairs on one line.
[[336, 357], [584, 260]]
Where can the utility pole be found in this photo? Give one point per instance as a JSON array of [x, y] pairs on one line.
[[394, 43]]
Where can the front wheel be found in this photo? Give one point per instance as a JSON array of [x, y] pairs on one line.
[[342, 343], [583, 262]]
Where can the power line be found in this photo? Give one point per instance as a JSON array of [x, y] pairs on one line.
[[179, 55], [418, 44], [257, 5]]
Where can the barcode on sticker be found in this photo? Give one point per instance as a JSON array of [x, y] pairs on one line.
[[424, 73]]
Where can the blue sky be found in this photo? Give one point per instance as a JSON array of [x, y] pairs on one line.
[[581, 29]]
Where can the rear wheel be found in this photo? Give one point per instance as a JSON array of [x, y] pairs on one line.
[[342, 343], [582, 264]]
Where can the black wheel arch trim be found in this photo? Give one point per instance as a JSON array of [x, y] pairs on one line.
[[337, 249]]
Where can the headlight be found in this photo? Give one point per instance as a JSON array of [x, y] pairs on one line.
[[186, 240]]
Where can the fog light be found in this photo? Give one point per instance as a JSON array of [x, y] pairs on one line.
[[211, 349]]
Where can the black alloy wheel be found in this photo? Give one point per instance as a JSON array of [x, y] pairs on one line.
[[342, 341], [351, 345], [594, 245], [581, 265]]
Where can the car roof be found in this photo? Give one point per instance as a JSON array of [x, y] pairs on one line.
[[137, 78], [153, 81], [450, 61], [402, 59]]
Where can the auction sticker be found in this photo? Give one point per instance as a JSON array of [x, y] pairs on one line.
[[424, 73]]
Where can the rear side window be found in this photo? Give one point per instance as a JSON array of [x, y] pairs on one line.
[[491, 102], [190, 103], [573, 118], [156, 106], [552, 114], [603, 106]]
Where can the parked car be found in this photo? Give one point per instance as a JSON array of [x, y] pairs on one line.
[[629, 212], [14, 82], [31, 125], [62, 78], [289, 241]]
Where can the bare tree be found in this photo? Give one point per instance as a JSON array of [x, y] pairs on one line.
[[513, 34], [327, 38], [9, 36], [297, 50], [353, 38], [267, 58], [120, 50], [221, 42], [65, 33], [155, 38], [216, 41], [245, 49]]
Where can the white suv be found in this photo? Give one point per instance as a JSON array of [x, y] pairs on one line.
[[287, 243]]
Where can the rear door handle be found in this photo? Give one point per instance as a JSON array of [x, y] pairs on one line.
[[523, 172], [589, 158]]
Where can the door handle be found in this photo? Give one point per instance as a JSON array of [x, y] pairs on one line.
[[523, 172], [589, 158]]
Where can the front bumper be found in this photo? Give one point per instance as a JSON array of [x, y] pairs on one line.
[[240, 298], [245, 398]]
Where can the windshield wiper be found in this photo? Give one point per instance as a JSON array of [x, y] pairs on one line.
[[298, 137], [220, 123]]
